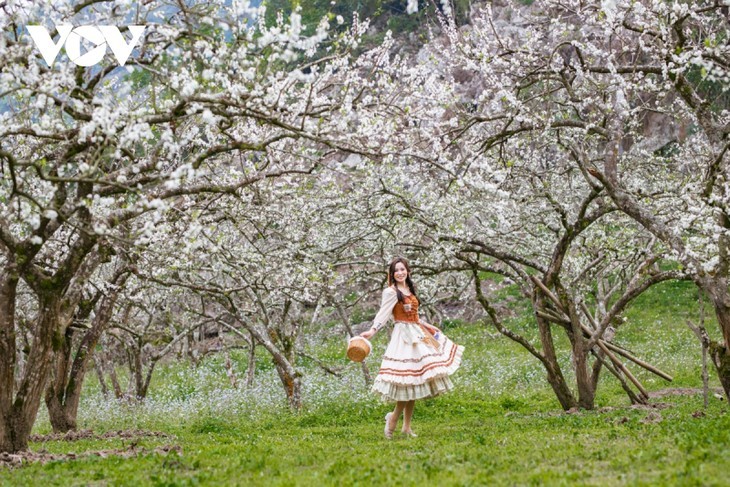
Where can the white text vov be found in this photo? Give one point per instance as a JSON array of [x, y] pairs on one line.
[[100, 35]]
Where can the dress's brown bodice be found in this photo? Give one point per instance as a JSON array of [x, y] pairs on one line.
[[400, 314]]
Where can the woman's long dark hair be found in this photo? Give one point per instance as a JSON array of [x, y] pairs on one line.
[[392, 281]]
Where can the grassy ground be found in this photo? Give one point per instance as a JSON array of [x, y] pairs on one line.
[[501, 426], [463, 441]]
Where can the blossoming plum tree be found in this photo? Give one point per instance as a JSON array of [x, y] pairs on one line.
[[635, 93], [87, 152]]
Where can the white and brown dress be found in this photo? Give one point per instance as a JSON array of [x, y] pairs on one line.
[[412, 368]]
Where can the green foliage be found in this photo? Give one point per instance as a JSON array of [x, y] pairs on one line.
[[312, 11], [384, 14], [209, 424], [403, 23], [448, 324], [716, 92]]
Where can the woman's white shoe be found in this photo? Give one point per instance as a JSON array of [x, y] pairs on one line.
[[387, 431]]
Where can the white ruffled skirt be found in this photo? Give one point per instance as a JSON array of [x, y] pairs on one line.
[[411, 369]]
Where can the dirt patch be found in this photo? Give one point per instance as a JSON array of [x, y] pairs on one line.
[[90, 435], [651, 406], [12, 460], [652, 417], [681, 391]]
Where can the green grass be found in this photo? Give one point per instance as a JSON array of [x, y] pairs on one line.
[[464, 440], [501, 426]]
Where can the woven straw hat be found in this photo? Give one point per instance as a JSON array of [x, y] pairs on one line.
[[358, 348]]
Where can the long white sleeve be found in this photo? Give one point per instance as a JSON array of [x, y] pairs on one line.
[[390, 298]]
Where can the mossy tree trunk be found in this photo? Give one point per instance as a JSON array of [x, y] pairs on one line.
[[555, 376], [717, 287], [64, 390], [720, 352], [57, 294], [291, 380], [19, 418], [251, 370], [283, 332], [8, 289]]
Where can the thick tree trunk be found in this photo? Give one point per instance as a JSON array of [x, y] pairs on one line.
[[64, 392], [8, 287], [583, 376], [118, 392], [721, 359], [721, 302], [60, 420], [720, 352], [560, 387], [284, 354], [100, 375], [292, 383], [285, 362], [58, 413], [717, 287], [251, 370], [16, 432], [554, 375], [290, 376], [18, 419], [140, 391], [566, 305]]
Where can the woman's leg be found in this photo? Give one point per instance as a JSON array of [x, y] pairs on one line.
[[399, 406], [408, 414]]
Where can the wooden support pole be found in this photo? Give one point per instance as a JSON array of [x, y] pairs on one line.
[[621, 351], [639, 362], [607, 364], [552, 317], [548, 293], [623, 369], [602, 345]]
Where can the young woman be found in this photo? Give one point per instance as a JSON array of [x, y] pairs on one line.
[[419, 358]]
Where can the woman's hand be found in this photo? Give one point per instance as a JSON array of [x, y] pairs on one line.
[[432, 329], [367, 334]]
